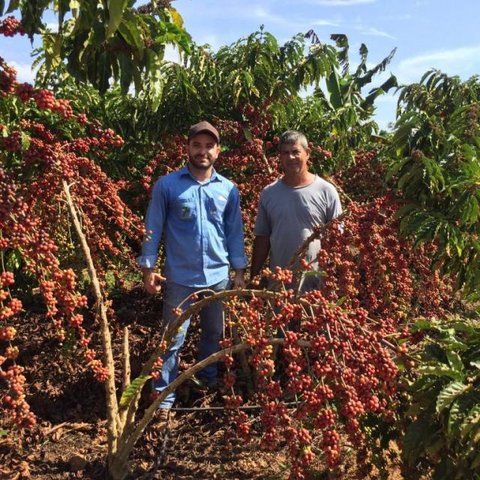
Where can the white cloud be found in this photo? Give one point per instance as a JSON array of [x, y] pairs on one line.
[[298, 23], [263, 15], [374, 32], [326, 23], [463, 62]]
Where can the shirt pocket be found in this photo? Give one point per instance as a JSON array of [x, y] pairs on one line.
[[216, 208], [185, 210]]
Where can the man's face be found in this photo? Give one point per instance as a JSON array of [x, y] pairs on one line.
[[203, 150], [294, 158]]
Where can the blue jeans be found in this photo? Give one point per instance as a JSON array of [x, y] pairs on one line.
[[211, 324]]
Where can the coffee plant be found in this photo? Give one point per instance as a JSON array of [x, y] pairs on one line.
[[443, 419], [435, 166], [46, 147]]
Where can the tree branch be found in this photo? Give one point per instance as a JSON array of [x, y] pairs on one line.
[[101, 311]]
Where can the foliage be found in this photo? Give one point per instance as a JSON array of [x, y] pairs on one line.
[[348, 112], [253, 70], [444, 416], [103, 40], [436, 168], [257, 74]]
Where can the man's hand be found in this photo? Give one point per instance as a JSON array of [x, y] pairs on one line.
[[152, 281], [239, 279]]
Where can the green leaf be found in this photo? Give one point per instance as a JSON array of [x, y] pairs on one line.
[[476, 462], [115, 14], [3, 432], [456, 415], [131, 34], [14, 260], [376, 92], [418, 433], [441, 371], [394, 169], [341, 301], [155, 81], [470, 211], [126, 74], [463, 327], [103, 72], [434, 351], [413, 410], [132, 389], [422, 325], [314, 273], [434, 448], [449, 394], [25, 140], [333, 87], [471, 421], [248, 134], [441, 470], [454, 360], [13, 5]]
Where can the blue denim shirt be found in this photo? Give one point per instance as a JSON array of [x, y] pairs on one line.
[[201, 225]]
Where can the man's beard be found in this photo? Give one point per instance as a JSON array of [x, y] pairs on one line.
[[201, 162]]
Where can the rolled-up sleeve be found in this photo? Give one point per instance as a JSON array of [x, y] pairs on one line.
[[154, 224], [234, 231]]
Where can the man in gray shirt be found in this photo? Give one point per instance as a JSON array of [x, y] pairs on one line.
[[290, 208]]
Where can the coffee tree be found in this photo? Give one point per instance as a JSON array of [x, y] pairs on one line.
[[103, 41], [48, 167], [435, 166]]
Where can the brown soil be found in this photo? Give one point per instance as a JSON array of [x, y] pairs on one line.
[[69, 440]]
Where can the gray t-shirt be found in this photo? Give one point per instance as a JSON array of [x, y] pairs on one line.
[[288, 216]]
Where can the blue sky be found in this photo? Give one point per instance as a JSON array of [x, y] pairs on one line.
[[441, 34]]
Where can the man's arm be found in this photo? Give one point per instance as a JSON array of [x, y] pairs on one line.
[[234, 238], [154, 222], [261, 249]]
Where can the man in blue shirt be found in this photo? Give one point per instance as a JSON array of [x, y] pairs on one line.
[[197, 211]]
